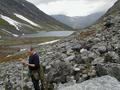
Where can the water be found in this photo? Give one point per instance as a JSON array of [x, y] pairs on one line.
[[43, 34], [50, 34]]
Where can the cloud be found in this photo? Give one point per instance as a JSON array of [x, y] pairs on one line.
[[36, 2], [73, 7]]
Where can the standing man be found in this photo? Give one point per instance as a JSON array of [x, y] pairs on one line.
[[34, 67]]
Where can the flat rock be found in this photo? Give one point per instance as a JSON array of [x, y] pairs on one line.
[[101, 83]]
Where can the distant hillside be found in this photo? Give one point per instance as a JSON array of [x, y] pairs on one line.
[[79, 22], [19, 17]]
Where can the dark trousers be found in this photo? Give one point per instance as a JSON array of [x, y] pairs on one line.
[[36, 84]]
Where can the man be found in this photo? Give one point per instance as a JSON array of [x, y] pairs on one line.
[[34, 67]]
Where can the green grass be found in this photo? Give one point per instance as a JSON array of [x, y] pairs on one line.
[[3, 22]]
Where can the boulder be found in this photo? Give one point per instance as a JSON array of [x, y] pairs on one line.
[[76, 47], [59, 72], [101, 83], [102, 49], [70, 58], [98, 60]]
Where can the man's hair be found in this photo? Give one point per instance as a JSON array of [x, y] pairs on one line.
[[31, 48]]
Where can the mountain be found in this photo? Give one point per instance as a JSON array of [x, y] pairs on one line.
[[87, 54], [19, 17], [112, 12], [79, 22]]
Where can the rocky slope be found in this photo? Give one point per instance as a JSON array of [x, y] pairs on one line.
[[87, 54], [84, 55], [18, 17]]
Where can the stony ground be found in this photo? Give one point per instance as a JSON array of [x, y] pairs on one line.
[[91, 53]]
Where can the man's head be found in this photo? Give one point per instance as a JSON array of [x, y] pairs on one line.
[[30, 51]]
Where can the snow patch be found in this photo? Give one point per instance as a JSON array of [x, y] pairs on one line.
[[22, 50], [15, 35], [50, 42], [25, 19], [8, 55], [11, 21]]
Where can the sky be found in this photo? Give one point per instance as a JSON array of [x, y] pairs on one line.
[[73, 7]]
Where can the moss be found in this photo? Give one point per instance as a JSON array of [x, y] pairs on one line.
[[108, 58], [44, 84], [3, 22], [3, 33]]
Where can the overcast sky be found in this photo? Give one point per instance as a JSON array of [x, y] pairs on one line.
[[73, 7]]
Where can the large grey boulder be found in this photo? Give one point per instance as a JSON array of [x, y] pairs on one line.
[[101, 83], [59, 72]]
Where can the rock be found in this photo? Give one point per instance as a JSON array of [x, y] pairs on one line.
[[98, 60], [112, 57], [84, 76], [77, 48], [59, 72], [76, 69], [78, 59], [92, 73], [101, 83], [92, 55], [47, 68], [64, 55], [96, 40], [49, 53], [8, 85], [69, 51], [28, 86], [70, 58], [111, 69], [84, 54], [83, 50], [102, 49]]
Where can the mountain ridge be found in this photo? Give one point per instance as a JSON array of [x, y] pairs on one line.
[[28, 11], [79, 22]]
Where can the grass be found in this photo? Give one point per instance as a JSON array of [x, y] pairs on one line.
[[3, 22], [85, 34], [14, 57], [6, 50], [24, 41]]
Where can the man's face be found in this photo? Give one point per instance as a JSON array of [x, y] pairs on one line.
[[29, 52]]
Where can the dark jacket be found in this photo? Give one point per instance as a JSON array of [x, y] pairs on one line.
[[34, 59]]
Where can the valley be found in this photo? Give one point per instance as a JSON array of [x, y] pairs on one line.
[[88, 59]]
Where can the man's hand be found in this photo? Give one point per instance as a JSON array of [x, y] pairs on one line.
[[20, 59], [24, 62]]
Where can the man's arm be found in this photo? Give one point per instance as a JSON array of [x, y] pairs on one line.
[[26, 63], [31, 65]]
